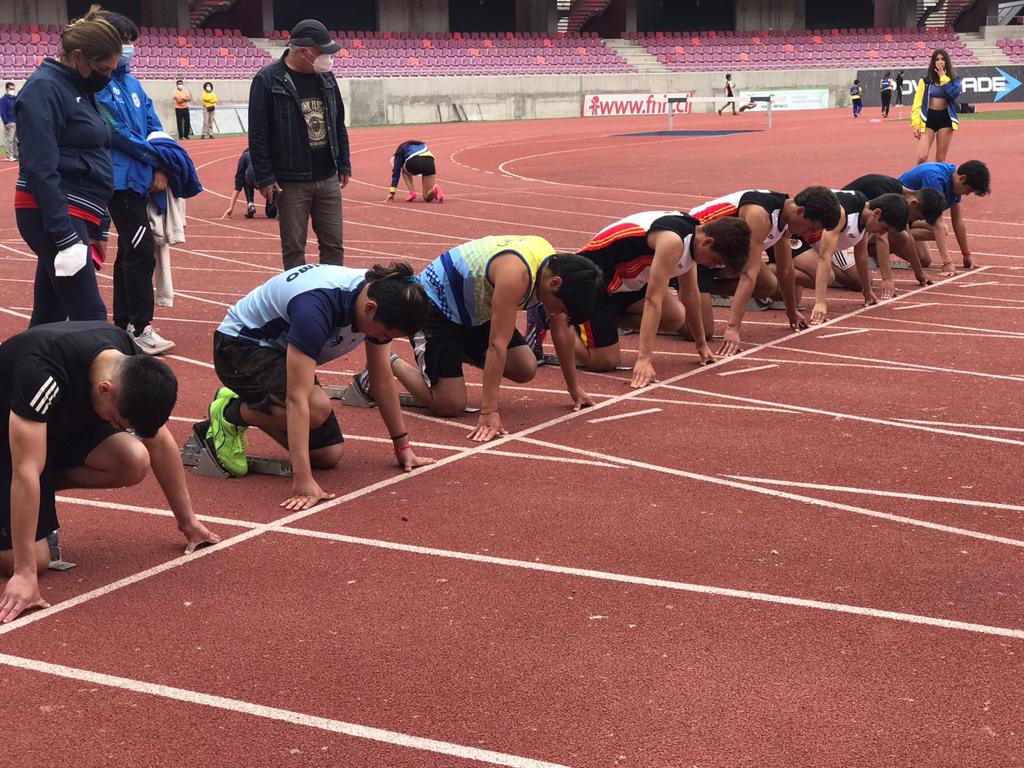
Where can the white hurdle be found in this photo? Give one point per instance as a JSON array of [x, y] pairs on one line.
[[673, 100]]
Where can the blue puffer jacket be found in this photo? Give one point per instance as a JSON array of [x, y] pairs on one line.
[[182, 179], [131, 116]]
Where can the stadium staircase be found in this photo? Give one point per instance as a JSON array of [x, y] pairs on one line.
[[583, 11]]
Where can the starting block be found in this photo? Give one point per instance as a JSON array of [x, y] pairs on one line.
[[57, 563], [197, 454], [752, 306], [552, 360], [353, 397]]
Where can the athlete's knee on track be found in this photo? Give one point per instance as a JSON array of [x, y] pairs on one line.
[[134, 465], [326, 458]]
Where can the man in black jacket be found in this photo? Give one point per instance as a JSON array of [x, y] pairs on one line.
[[299, 144]]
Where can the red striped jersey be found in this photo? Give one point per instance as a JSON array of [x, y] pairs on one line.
[[622, 252], [729, 205]]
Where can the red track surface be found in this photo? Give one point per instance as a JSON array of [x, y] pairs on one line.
[[816, 563]]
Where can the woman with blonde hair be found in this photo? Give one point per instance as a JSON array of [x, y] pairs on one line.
[[935, 115], [66, 175]]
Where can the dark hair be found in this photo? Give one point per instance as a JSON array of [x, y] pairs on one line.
[[125, 27], [820, 205], [582, 287], [976, 176], [93, 35], [147, 391], [731, 236], [8, 84], [856, 81], [402, 303], [208, 83], [895, 210], [728, 76], [887, 74], [930, 203], [932, 74]]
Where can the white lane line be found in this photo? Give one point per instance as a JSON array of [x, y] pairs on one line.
[[878, 492], [153, 511], [106, 589], [703, 589], [968, 426], [629, 415], [854, 332], [975, 285], [916, 306], [983, 298], [276, 713], [16, 314], [853, 417], [748, 370], [902, 364], [993, 331]]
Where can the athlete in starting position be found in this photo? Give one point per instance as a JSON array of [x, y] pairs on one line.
[[413, 158]]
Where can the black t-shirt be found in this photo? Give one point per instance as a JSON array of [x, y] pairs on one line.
[[875, 184], [44, 374], [315, 113], [621, 249]]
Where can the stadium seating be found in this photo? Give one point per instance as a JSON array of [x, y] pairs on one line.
[[801, 49], [1013, 48], [194, 54]]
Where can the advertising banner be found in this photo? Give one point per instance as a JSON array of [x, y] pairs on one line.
[[618, 104], [981, 85], [790, 98]]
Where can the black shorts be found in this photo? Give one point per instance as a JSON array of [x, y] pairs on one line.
[[420, 166], [938, 119], [602, 330], [69, 452], [259, 375], [450, 345]]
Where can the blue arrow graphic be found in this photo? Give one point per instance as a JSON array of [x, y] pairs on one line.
[[1012, 84]]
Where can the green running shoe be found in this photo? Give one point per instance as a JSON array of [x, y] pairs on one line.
[[227, 440]]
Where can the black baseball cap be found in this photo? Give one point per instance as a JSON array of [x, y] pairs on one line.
[[310, 33]]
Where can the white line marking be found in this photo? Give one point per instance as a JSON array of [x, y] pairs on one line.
[[851, 416], [275, 713], [16, 314], [975, 285], [916, 306], [903, 364], [983, 298], [629, 415], [994, 331], [679, 586], [877, 492], [154, 511], [854, 332], [748, 370], [106, 589], [969, 426]]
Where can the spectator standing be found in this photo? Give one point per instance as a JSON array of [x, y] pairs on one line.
[[65, 146], [886, 92], [935, 116], [299, 143], [138, 174], [899, 88], [7, 102], [730, 92], [182, 98], [856, 91], [209, 107]]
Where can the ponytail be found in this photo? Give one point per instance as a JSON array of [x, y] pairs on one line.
[[402, 304], [93, 35]]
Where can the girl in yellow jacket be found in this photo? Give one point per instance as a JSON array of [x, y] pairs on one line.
[[935, 115]]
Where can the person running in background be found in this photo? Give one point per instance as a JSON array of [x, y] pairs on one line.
[[412, 158], [209, 107], [139, 173], [899, 88], [935, 116], [856, 91], [66, 175], [730, 93], [181, 98], [245, 180], [886, 92], [7, 102]]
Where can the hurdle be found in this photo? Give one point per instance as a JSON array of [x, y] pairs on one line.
[[673, 100]]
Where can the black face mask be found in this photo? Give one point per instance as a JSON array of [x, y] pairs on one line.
[[95, 82]]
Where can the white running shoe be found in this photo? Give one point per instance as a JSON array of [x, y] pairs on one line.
[[152, 343]]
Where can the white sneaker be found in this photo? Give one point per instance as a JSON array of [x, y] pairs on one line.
[[152, 343]]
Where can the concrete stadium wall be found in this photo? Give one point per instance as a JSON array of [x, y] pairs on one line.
[[752, 15], [412, 15], [34, 11], [398, 100]]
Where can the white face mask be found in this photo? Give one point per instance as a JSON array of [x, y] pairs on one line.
[[323, 63], [10, 91]]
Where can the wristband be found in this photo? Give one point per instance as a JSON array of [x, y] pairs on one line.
[[399, 437], [406, 447]]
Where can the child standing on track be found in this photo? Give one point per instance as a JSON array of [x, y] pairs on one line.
[[856, 91], [476, 289], [413, 158], [886, 93], [268, 347]]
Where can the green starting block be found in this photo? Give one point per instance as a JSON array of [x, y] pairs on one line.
[[57, 563], [353, 397], [197, 454]]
